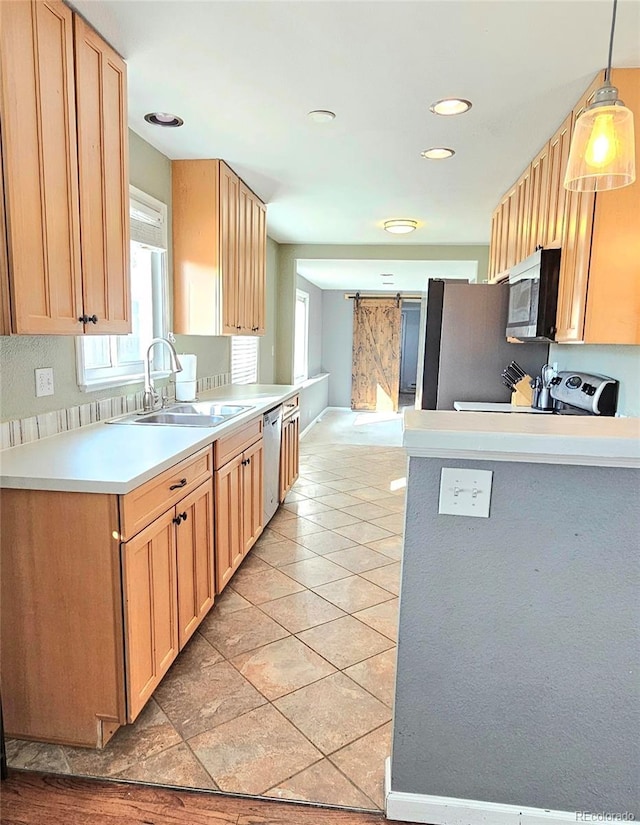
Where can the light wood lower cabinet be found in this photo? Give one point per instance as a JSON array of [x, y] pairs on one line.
[[195, 562], [90, 621], [169, 588], [239, 505], [150, 608], [289, 454]]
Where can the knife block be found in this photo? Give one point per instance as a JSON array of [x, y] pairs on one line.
[[522, 395]]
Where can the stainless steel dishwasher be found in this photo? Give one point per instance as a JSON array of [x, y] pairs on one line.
[[272, 436]]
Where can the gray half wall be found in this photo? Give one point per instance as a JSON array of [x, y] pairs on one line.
[[519, 641]]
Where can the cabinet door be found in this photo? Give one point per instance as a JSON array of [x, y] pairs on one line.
[[494, 254], [245, 259], [194, 553], [228, 522], [258, 266], [150, 609], [252, 495], [101, 98], [523, 246], [539, 199], [295, 439], [576, 253], [229, 217], [285, 447], [40, 166], [557, 194]]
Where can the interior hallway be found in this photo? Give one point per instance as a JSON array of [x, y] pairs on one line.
[[286, 688]]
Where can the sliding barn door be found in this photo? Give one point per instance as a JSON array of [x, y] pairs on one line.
[[376, 354]]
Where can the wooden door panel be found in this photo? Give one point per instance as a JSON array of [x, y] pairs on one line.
[[101, 84], [557, 194], [539, 198], [40, 166], [151, 627], [194, 553], [228, 228], [228, 522], [376, 354], [252, 495]]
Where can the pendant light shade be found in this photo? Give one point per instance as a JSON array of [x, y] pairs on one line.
[[602, 152]]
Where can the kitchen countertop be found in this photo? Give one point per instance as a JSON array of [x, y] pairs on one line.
[[117, 458], [549, 439], [493, 406]]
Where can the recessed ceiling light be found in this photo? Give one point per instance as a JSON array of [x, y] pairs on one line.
[[322, 116], [438, 153], [386, 274], [450, 106], [163, 119], [400, 227]]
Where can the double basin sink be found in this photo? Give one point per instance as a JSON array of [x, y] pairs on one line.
[[196, 414]]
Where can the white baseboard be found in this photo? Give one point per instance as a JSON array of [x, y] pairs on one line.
[[315, 421], [445, 810]]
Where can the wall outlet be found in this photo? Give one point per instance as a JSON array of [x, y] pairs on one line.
[[465, 492], [44, 381]]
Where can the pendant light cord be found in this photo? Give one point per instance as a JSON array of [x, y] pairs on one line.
[[607, 74]]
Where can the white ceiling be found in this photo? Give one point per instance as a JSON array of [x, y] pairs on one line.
[[406, 276], [243, 75]]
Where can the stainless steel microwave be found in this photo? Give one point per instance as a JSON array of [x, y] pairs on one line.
[[533, 297]]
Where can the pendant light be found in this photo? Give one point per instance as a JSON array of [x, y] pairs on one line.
[[602, 153]]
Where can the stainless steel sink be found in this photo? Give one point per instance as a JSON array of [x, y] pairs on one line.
[[196, 414]]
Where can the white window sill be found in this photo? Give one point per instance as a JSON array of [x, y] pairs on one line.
[[120, 381]]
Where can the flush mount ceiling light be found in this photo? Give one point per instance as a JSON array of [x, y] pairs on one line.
[[400, 227], [602, 152], [438, 153], [450, 106], [163, 119], [322, 116]]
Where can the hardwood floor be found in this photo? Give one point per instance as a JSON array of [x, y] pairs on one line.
[[28, 798]]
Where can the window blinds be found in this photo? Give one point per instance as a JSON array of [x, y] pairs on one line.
[[244, 359], [148, 223]]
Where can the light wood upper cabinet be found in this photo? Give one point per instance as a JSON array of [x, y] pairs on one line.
[[557, 151], [67, 244], [599, 235], [613, 295], [101, 100], [40, 164], [599, 292], [194, 554], [219, 251]]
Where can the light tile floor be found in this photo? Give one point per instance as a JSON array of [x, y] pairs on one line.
[[286, 688]]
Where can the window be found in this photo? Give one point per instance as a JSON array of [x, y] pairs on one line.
[[301, 340], [113, 360], [244, 359]]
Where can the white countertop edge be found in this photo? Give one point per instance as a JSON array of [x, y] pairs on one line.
[[529, 458], [261, 398]]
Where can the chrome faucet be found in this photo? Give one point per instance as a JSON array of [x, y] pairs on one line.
[[151, 399]]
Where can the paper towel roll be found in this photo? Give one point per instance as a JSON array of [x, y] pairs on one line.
[[188, 363], [186, 390]]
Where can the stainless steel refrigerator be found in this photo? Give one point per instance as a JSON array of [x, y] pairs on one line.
[[463, 346]]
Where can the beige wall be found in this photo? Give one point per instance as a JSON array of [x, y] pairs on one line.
[[289, 253]]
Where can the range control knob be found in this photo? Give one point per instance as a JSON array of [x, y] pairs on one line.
[[573, 382]]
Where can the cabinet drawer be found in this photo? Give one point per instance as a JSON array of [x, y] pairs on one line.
[[290, 406], [142, 505], [227, 448]]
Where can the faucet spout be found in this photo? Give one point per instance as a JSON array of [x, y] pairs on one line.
[[150, 398]]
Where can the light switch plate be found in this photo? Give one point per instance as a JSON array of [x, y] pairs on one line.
[[465, 492], [44, 381]]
